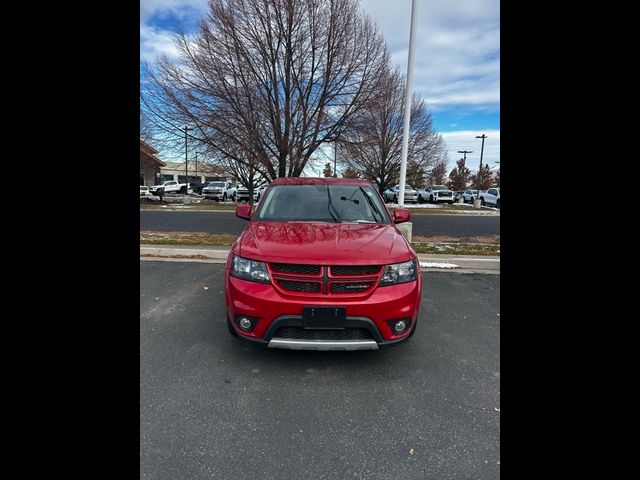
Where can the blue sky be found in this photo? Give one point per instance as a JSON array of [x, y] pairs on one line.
[[457, 61]]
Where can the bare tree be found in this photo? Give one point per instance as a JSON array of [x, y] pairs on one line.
[[372, 139], [275, 79]]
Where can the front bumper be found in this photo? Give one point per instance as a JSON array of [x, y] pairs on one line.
[[275, 310], [217, 196]]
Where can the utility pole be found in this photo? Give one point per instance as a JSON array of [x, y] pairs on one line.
[[407, 105], [197, 181], [483, 136]]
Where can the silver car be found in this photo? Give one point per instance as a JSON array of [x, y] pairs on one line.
[[410, 194]]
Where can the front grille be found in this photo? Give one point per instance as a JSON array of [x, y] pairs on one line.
[[296, 268], [299, 333], [306, 287], [345, 270], [350, 287]]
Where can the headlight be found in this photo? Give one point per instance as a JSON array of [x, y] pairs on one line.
[[399, 273], [250, 270]]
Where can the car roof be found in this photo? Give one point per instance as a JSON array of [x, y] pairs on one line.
[[318, 181]]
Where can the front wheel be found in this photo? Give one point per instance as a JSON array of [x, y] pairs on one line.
[[482, 202], [430, 198], [224, 197], [233, 199], [498, 203]]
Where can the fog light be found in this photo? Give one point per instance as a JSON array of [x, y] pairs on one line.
[[245, 323], [400, 326]]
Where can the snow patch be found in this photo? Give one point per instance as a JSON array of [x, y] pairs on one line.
[[438, 265]]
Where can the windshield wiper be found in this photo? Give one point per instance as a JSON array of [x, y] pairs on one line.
[[335, 219], [371, 204]]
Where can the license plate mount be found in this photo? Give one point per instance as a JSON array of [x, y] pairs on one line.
[[334, 318]]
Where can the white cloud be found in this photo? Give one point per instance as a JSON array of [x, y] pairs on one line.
[[155, 42], [179, 8], [465, 140], [457, 48]]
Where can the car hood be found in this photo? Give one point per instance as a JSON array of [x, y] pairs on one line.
[[334, 243]]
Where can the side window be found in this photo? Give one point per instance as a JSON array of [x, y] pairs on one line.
[[492, 191]]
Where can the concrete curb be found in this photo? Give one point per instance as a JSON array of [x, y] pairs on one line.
[[186, 253]]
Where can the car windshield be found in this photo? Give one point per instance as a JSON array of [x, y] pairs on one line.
[[439, 187], [216, 184], [322, 203]]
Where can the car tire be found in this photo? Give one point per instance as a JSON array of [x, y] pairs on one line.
[[498, 203], [395, 199], [224, 197], [430, 198], [160, 192], [233, 199], [232, 331], [482, 202]]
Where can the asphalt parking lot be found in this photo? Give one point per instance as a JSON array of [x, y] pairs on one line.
[[458, 226], [212, 406]]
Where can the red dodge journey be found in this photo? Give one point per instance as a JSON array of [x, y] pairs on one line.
[[322, 266]]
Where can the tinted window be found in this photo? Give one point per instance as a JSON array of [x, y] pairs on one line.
[[439, 187], [322, 203]]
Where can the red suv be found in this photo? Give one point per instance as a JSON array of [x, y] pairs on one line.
[[322, 266]]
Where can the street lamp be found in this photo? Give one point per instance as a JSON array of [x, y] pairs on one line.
[[186, 168], [465, 154], [483, 136]]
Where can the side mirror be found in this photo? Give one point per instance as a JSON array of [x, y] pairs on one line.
[[243, 211], [401, 215]]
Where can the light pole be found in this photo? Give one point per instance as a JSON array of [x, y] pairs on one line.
[[408, 95], [197, 179], [465, 154], [186, 168], [335, 157], [483, 136]]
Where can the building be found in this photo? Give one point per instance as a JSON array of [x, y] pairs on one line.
[[150, 165], [198, 173]]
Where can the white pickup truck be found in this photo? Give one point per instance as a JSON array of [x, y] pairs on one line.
[[490, 197], [220, 191], [170, 186]]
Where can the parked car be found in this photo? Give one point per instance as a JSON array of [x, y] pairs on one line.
[[242, 194], [457, 195], [170, 186], [322, 266], [490, 197], [440, 193], [144, 190], [469, 195], [259, 192], [423, 194], [391, 194], [220, 191], [198, 186]]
